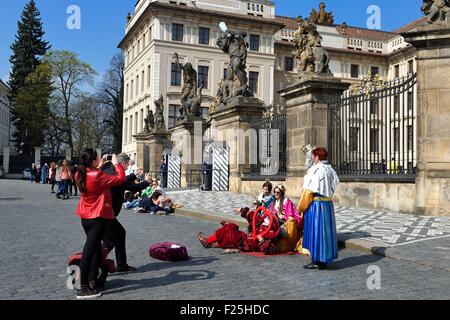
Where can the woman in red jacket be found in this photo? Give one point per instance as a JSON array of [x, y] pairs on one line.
[[95, 211]]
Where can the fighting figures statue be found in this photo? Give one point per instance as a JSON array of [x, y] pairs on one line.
[[191, 99], [436, 10], [236, 81], [149, 121], [159, 115], [310, 55]]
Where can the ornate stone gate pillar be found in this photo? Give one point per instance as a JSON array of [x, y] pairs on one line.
[[432, 42], [307, 121]]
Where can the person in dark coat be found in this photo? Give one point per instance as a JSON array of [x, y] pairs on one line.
[[115, 234]]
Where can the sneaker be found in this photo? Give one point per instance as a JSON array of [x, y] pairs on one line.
[[138, 208], [87, 293], [125, 268]]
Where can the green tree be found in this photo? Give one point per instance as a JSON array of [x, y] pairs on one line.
[[32, 103], [69, 76], [27, 48]]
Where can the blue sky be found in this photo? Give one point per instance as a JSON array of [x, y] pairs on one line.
[[102, 23]]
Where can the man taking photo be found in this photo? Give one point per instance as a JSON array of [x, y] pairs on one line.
[[115, 234]]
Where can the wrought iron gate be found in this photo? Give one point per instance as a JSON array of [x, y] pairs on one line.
[[271, 141], [372, 130]]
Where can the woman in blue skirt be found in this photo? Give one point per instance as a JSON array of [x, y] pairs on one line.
[[316, 205]]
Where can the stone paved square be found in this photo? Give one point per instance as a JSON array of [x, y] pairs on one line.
[[39, 232]]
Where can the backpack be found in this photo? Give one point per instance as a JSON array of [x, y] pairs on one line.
[[168, 251]]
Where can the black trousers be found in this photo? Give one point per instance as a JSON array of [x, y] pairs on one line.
[[115, 239], [92, 252]]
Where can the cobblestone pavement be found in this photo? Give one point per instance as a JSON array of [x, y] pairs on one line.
[[39, 232], [385, 228]]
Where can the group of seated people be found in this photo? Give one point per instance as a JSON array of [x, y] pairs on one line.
[[275, 226], [151, 200]]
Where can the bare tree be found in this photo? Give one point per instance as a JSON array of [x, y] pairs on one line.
[[111, 93]]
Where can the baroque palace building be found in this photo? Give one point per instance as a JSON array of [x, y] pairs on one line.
[[158, 29]]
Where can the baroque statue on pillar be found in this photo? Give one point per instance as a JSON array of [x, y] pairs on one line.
[[236, 82], [159, 116], [191, 99], [311, 57], [436, 10], [149, 121], [321, 17]]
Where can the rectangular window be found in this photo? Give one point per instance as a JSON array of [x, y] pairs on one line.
[[141, 119], [130, 129], [374, 71], [410, 138], [253, 81], [396, 104], [288, 63], [143, 81], [175, 79], [225, 72], [410, 100], [137, 86], [411, 66], [354, 137], [396, 139], [355, 71], [126, 93], [203, 76], [254, 42], [131, 91], [149, 76], [203, 35], [138, 46], [374, 140], [177, 32], [174, 114], [397, 71], [144, 37]]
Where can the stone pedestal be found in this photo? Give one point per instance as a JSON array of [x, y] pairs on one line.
[[433, 117], [307, 121], [232, 124], [150, 150], [187, 140], [37, 155], [6, 153]]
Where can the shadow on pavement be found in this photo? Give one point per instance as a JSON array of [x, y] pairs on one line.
[[354, 261], [159, 265], [122, 285]]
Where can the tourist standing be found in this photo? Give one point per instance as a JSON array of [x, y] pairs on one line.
[[44, 174], [52, 176], [59, 185], [320, 236], [33, 172], [96, 212], [66, 179]]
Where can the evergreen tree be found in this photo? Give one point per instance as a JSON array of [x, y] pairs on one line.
[[34, 95], [27, 48]]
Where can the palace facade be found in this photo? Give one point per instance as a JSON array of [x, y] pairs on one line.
[[158, 29]]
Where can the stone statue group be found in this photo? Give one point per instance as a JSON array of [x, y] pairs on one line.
[[436, 10], [311, 58]]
